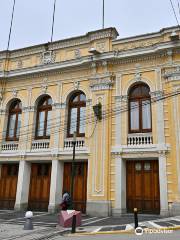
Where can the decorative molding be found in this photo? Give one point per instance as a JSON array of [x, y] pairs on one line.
[[94, 68], [102, 82], [76, 85], [44, 85], [14, 92], [88, 102], [138, 77], [19, 63], [77, 53], [101, 47], [170, 56], [29, 109], [121, 98], [48, 57], [1, 95], [173, 75], [59, 105], [156, 95]]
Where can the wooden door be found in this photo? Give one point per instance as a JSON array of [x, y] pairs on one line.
[[8, 185], [39, 187], [142, 184], [80, 184]]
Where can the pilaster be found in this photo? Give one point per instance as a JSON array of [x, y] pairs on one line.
[[22, 192], [163, 184], [56, 185], [120, 186]]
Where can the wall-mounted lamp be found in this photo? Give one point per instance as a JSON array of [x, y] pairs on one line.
[[98, 111], [94, 51]]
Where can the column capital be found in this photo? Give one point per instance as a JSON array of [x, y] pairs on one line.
[[28, 109], [121, 98], [58, 105], [162, 153], [157, 94]]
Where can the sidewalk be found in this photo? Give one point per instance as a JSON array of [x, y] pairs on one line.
[[45, 225]]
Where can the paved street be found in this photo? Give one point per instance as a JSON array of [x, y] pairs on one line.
[[45, 226], [174, 236]]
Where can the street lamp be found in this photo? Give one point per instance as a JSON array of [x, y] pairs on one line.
[[73, 167]]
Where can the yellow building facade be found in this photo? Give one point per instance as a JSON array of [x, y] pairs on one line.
[[129, 158]]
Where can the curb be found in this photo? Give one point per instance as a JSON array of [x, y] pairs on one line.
[[102, 233], [120, 232]]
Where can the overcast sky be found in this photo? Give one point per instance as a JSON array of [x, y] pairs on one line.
[[33, 18]]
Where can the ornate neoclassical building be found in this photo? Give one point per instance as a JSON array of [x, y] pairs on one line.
[[129, 158]]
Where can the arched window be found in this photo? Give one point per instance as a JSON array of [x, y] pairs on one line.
[[139, 109], [14, 121], [76, 114], [43, 124]]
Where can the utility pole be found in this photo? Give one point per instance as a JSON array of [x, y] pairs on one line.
[[73, 167], [103, 16], [52, 29]]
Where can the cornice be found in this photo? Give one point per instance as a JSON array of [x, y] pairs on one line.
[[65, 43], [123, 57], [146, 36]]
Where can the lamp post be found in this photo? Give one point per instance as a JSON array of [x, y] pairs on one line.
[[73, 167]]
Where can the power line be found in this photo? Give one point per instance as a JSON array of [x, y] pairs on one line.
[[10, 30], [110, 110], [178, 6], [172, 5], [106, 115]]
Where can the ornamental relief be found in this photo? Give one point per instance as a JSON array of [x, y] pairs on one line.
[[138, 44], [172, 75], [48, 57], [101, 83]]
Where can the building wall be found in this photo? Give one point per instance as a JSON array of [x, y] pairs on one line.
[[106, 78]]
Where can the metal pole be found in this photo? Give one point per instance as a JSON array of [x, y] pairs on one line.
[[12, 16], [135, 218], [103, 16], [73, 167], [52, 30], [73, 229]]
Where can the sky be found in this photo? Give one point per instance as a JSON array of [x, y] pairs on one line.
[[33, 19]]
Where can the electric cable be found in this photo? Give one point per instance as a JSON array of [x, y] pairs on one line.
[[89, 110], [104, 116], [178, 6], [172, 5], [109, 111]]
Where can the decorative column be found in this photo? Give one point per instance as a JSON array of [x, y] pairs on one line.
[[162, 153], [176, 103], [163, 184], [22, 192], [56, 122], [24, 134], [98, 202], [56, 185], [157, 95], [3, 125]]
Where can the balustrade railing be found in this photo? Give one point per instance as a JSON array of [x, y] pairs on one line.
[[140, 139], [68, 143], [40, 144], [10, 146]]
